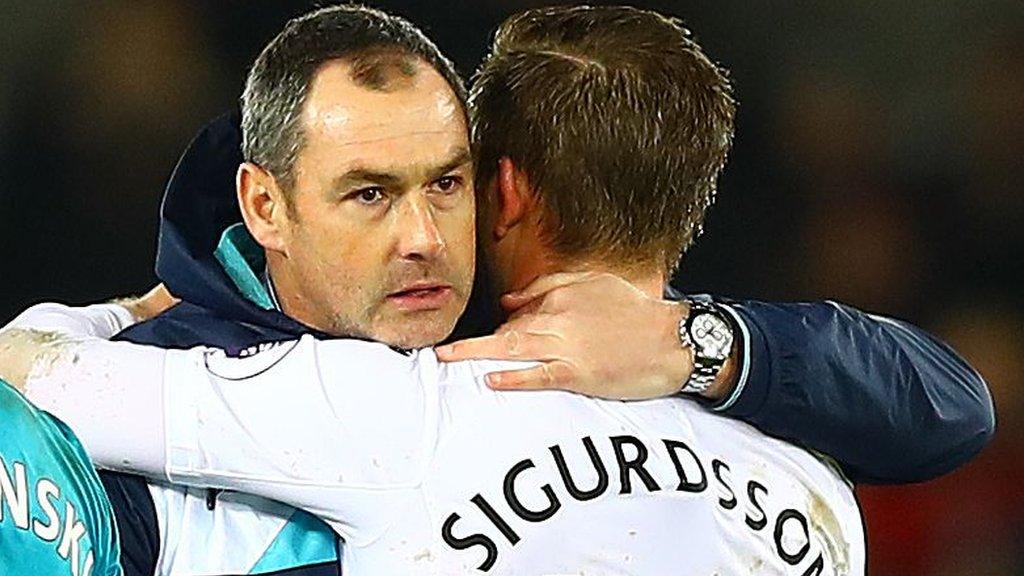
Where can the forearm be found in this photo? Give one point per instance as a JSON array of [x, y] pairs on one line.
[[886, 400], [199, 417], [110, 395], [35, 334], [95, 320]]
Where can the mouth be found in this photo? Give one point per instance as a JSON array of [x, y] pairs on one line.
[[421, 296]]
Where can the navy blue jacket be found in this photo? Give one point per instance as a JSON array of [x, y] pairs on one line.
[[887, 401]]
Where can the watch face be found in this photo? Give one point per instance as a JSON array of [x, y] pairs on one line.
[[712, 336]]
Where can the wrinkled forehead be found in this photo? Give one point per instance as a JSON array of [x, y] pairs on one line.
[[350, 108]]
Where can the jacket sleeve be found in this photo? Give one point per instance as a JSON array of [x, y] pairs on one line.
[[889, 402]]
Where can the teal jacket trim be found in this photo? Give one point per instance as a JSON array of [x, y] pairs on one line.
[[303, 541], [241, 257]]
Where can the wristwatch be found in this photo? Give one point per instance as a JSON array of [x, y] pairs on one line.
[[708, 331]]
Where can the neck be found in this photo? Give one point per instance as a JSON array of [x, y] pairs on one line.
[[647, 277], [651, 283], [288, 298], [268, 283]]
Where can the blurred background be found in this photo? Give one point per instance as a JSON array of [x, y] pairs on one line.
[[878, 161]]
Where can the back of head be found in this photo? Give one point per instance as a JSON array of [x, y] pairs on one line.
[[617, 118], [381, 47]]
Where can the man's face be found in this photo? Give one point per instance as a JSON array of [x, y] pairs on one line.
[[380, 240]]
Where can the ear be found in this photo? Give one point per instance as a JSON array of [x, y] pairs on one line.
[[263, 206], [514, 197]]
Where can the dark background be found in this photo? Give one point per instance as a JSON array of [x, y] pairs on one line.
[[877, 162]]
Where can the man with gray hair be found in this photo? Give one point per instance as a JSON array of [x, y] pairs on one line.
[[364, 232], [418, 464]]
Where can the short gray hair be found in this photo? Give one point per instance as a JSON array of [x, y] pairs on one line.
[[379, 44]]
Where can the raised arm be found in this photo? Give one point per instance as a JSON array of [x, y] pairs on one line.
[[886, 400]]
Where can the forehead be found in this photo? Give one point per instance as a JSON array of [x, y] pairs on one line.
[[345, 121]]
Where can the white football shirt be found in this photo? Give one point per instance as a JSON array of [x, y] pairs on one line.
[[424, 470]]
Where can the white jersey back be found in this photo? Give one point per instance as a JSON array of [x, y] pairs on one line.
[[424, 470]]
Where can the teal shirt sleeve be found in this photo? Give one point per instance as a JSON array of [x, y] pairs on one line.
[[54, 514]]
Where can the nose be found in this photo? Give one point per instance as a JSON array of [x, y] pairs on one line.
[[419, 237]]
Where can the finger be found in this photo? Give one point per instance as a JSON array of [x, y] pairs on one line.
[[505, 345], [492, 346], [540, 287], [554, 375], [162, 296]]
